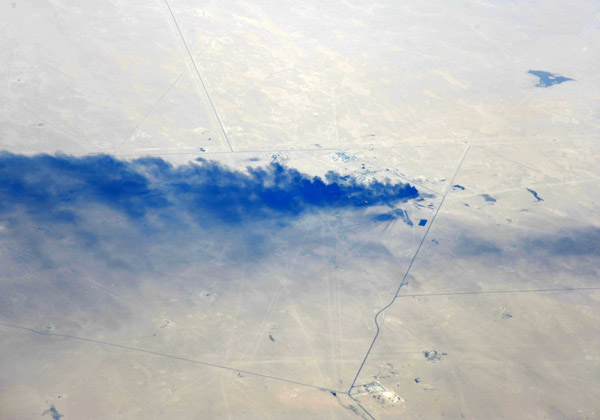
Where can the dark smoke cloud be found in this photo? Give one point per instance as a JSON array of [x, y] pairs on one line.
[[54, 188]]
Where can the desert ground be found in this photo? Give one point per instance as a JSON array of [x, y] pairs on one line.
[[478, 299]]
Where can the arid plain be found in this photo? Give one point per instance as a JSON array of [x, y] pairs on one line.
[[478, 299]]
